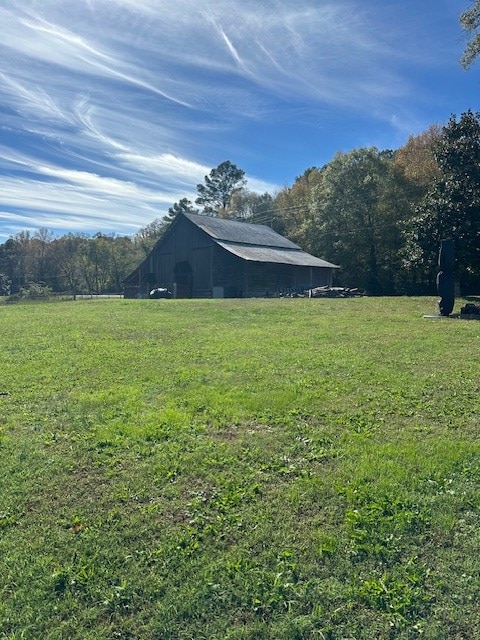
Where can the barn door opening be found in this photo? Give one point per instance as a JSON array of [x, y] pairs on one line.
[[183, 276], [148, 282]]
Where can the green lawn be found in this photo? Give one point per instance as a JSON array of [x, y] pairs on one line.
[[226, 469]]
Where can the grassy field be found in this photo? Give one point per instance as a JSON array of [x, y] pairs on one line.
[[244, 469]]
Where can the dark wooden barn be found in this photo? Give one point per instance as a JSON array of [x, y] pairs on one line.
[[205, 257]]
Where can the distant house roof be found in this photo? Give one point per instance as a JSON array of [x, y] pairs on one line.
[[255, 242]]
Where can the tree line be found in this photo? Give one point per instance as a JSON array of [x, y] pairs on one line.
[[380, 215]]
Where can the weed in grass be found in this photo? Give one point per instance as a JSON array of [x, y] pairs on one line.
[[327, 544], [379, 527], [7, 519], [400, 594]]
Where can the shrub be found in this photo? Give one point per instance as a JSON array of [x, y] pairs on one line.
[[35, 291]]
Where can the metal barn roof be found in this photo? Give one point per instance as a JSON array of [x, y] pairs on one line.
[[240, 232], [255, 242], [275, 254]]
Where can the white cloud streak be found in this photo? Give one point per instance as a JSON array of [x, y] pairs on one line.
[[114, 109]]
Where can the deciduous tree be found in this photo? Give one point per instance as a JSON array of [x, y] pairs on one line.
[[146, 237], [358, 212], [251, 207], [65, 252], [416, 161], [296, 208]]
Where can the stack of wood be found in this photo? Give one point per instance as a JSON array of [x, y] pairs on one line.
[[335, 292]]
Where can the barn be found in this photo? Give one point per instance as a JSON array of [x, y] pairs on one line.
[[205, 257]]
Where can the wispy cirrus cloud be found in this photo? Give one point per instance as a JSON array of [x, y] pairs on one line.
[[117, 108]]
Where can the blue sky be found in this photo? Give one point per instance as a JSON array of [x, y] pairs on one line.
[[112, 110]]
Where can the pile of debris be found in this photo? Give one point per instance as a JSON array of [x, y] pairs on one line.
[[335, 292], [470, 310]]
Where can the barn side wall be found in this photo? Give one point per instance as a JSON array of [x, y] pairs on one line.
[[241, 278], [267, 279]]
